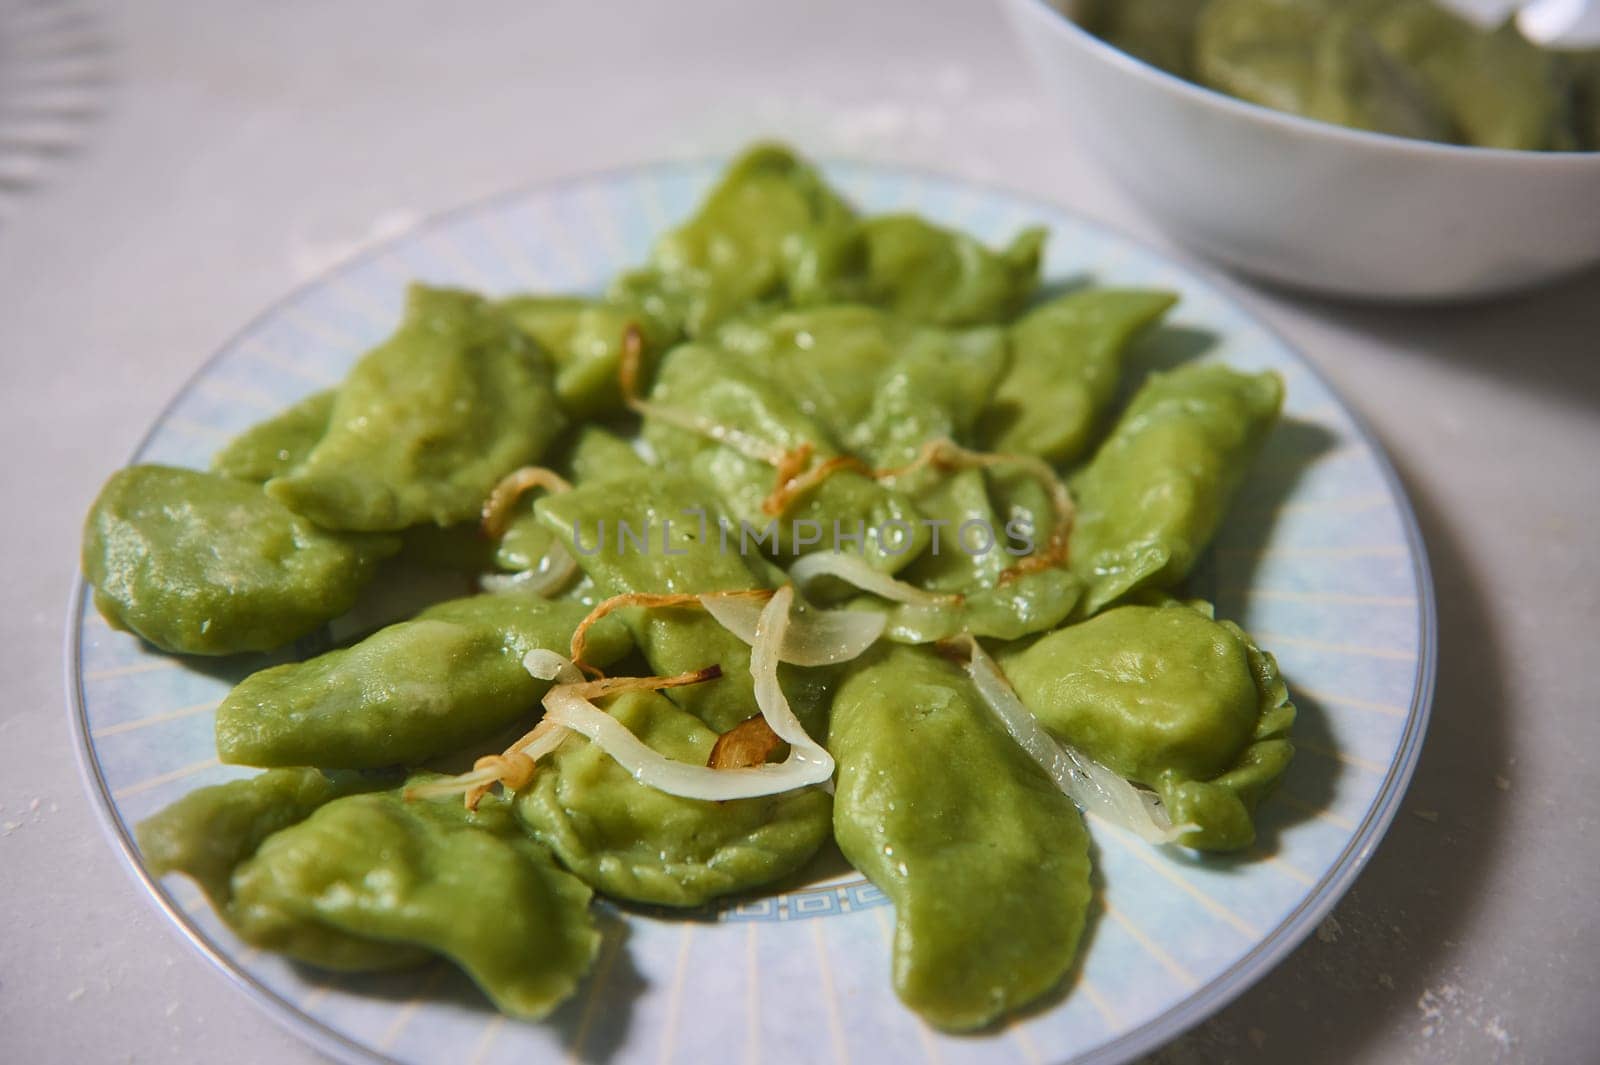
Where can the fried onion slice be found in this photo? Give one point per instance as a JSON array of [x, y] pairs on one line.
[[512, 487], [580, 635], [747, 743], [514, 767]]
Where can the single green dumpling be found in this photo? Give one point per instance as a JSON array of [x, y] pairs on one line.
[[770, 225], [584, 339], [633, 842], [926, 273], [450, 677], [1066, 359], [205, 564], [273, 447], [429, 421], [430, 876], [837, 362], [209, 833], [987, 862], [1172, 699], [1153, 496], [936, 388]]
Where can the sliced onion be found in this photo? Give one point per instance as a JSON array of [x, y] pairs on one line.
[[771, 628], [544, 580], [1094, 787], [806, 764], [545, 737], [814, 637], [653, 600], [548, 665], [854, 570], [511, 487]]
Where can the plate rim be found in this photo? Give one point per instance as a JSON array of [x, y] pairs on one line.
[[1253, 966]]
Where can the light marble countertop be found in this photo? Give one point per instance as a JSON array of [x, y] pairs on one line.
[[242, 147]]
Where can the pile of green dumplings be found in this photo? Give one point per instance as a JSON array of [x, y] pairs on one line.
[[1410, 68], [779, 315]]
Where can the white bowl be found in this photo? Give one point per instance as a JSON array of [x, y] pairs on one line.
[[1309, 204]]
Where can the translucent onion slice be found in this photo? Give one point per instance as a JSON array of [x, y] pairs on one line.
[[548, 665], [806, 764], [552, 574], [814, 637], [854, 570], [513, 769], [1095, 788]]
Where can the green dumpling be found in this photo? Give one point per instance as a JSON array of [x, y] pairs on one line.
[[1153, 496], [584, 339], [633, 842], [1029, 604], [723, 389], [469, 886], [273, 447], [593, 454], [669, 552], [205, 564], [987, 862], [873, 383], [598, 454], [936, 387], [1066, 359], [771, 224], [450, 677], [926, 273], [526, 543], [1172, 699], [974, 553], [209, 833], [429, 421]]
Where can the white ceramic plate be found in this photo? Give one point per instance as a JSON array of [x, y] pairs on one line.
[[1320, 559]]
